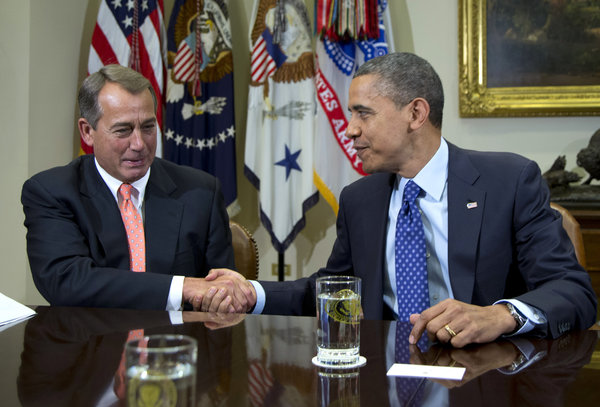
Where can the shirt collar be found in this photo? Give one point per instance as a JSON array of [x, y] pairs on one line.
[[432, 178], [113, 184]]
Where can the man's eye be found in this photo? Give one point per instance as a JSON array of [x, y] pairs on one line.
[[122, 131]]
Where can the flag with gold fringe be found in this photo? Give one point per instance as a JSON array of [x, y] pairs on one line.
[[199, 122], [337, 59], [281, 113]]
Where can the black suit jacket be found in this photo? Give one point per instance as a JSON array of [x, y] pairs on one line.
[[77, 244], [511, 245]]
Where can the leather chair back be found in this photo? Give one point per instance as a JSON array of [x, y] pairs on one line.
[[245, 251], [573, 230]]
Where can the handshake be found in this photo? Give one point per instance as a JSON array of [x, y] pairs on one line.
[[222, 290]]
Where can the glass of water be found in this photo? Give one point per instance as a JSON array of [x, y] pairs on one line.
[[338, 322], [339, 387], [161, 371]]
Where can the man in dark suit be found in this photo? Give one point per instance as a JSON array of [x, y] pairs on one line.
[[497, 260], [77, 244]]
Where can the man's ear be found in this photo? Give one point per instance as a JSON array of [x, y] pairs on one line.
[[85, 130], [419, 113]]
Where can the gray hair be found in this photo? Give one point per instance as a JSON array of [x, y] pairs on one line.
[[127, 78], [403, 77]]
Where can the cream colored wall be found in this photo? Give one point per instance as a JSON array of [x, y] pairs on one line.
[[43, 56], [14, 99]]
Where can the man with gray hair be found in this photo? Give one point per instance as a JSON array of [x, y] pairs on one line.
[[459, 243], [121, 228]]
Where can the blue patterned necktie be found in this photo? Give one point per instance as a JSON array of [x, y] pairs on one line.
[[411, 260]]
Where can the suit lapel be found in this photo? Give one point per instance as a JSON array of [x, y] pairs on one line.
[[162, 220], [465, 213], [372, 240], [104, 216]]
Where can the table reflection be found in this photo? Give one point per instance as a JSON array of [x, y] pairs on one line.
[[70, 356]]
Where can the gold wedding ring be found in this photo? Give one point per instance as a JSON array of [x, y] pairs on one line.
[[449, 330]]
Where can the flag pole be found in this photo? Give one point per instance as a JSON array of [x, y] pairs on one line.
[[281, 266]]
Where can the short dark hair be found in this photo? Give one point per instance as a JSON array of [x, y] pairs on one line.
[[403, 77], [127, 78]]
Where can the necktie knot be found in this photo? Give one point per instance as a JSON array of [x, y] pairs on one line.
[[411, 191], [125, 191]]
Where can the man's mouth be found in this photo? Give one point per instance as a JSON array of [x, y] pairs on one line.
[[359, 149], [133, 162]]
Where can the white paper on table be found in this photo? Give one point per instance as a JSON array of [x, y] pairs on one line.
[[432, 372], [12, 312]]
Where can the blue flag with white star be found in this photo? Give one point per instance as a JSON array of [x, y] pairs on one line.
[[281, 117], [199, 121]]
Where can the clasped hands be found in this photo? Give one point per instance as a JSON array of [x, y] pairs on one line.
[[460, 324], [222, 290]]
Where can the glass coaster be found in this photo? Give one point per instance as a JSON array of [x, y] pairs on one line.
[[361, 362]]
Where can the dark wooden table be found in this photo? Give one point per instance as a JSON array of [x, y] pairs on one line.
[[68, 356]]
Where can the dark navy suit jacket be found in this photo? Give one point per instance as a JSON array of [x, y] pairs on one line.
[[511, 245], [77, 244]]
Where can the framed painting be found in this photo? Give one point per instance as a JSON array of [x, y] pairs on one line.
[[529, 58]]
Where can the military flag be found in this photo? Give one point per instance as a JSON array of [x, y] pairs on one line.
[[281, 113], [199, 122], [131, 33], [336, 162]]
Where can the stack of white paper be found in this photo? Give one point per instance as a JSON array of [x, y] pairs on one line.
[[12, 312]]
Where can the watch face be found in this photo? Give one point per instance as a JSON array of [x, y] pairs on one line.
[[515, 314]]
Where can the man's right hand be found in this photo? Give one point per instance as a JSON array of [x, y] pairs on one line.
[[223, 290]]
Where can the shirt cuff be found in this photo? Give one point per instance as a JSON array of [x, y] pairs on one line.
[[175, 299], [535, 317], [176, 317], [529, 355], [260, 297]]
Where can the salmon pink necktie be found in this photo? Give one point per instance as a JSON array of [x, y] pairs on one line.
[[137, 262], [134, 228]]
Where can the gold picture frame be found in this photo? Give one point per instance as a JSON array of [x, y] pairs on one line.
[[476, 99]]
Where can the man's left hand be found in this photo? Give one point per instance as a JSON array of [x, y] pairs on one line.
[[460, 324]]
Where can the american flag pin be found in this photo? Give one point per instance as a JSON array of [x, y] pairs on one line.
[[471, 205]]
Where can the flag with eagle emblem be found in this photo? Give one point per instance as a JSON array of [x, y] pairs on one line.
[[281, 117], [199, 121]]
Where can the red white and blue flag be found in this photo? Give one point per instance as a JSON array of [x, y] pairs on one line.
[[266, 57], [336, 161], [281, 116], [199, 121], [131, 33]]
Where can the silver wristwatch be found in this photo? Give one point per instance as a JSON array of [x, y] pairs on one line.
[[520, 319]]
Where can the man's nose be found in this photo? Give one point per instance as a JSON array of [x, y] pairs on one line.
[[136, 141], [352, 131]]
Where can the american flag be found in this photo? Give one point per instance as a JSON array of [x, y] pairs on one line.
[[131, 33], [260, 382], [184, 66], [266, 57]]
